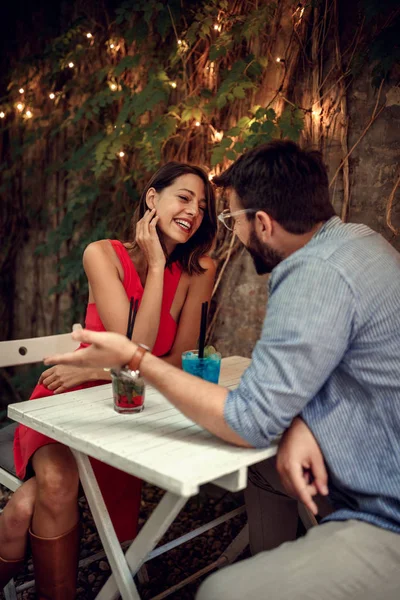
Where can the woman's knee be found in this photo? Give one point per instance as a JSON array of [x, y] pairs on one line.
[[18, 512], [56, 475]]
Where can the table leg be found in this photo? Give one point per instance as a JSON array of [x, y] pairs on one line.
[[121, 573], [148, 537]]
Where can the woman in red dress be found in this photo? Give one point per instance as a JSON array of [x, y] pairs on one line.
[[167, 268]]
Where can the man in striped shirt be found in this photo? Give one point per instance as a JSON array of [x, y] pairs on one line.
[[330, 352], [326, 370]]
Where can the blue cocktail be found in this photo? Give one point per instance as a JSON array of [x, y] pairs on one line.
[[207, 368]]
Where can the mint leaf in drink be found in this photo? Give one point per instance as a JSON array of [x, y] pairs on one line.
[[208, 351]]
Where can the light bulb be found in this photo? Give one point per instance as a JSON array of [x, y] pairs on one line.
[[20, 106], [278, 59], [173, 84], [71, 65], [52, 96], [21, 90], [179, 42], [113, 86], [89, 35], [2, 115], [217, 27], [121, 154], [197, 123], [28, 114], [112, 46]]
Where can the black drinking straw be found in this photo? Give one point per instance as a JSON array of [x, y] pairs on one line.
[[203, 327], [128, 329], [132, 317], [135, 309]]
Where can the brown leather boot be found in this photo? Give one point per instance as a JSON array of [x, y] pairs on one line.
[[9, 568], [55, 563]]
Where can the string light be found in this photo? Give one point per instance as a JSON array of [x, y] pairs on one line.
[[218, 135], [21, 90], [71, 65], [197, 123], [28, 114], [52, 96], [113, 87], [180, 42], [217, 27], [2, 115], [112, 46], [89, 35], [121, 154], [280, 60], [20, 106], [173, 84]]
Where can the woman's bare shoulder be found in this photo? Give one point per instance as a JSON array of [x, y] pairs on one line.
[[210, 268], [209, 264], [100, 252]]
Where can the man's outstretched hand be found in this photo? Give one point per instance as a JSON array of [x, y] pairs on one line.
[[106, 350], [301, 466]]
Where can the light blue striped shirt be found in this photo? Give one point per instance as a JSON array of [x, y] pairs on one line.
[[330, 351]]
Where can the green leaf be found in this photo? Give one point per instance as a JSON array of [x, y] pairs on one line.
[[239, 147], [128, 62], [225, 142], [243, 122], [291, 123], [268, 128], [197, 114], [217, 52], [239, 92], [206, 93], [186, 114], [221, 101], [217, 156], [260, 113]]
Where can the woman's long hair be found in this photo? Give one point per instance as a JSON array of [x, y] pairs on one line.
[[188, 254]]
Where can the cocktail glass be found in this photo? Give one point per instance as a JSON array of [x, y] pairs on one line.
[[128, 392], [207, 368]]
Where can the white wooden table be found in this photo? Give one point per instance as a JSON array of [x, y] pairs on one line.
[[159, 445]]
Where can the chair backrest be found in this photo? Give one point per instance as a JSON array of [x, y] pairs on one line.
[[31, 350]]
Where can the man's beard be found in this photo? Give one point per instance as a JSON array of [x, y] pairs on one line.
[[264, 257]]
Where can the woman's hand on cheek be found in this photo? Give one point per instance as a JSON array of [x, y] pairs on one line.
[[148, 240]]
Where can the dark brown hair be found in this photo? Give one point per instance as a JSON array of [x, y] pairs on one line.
[[188, 254], [286, 182]]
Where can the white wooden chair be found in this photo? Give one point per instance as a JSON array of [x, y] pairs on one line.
[[22, 352]]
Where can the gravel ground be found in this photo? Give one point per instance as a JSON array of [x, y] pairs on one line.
[[170, 568]]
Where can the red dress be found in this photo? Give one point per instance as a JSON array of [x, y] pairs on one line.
[[121, 491]]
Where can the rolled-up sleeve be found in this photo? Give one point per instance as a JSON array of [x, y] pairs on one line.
[[308, 327]]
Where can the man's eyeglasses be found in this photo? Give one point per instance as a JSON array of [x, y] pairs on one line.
[[228, 218]]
